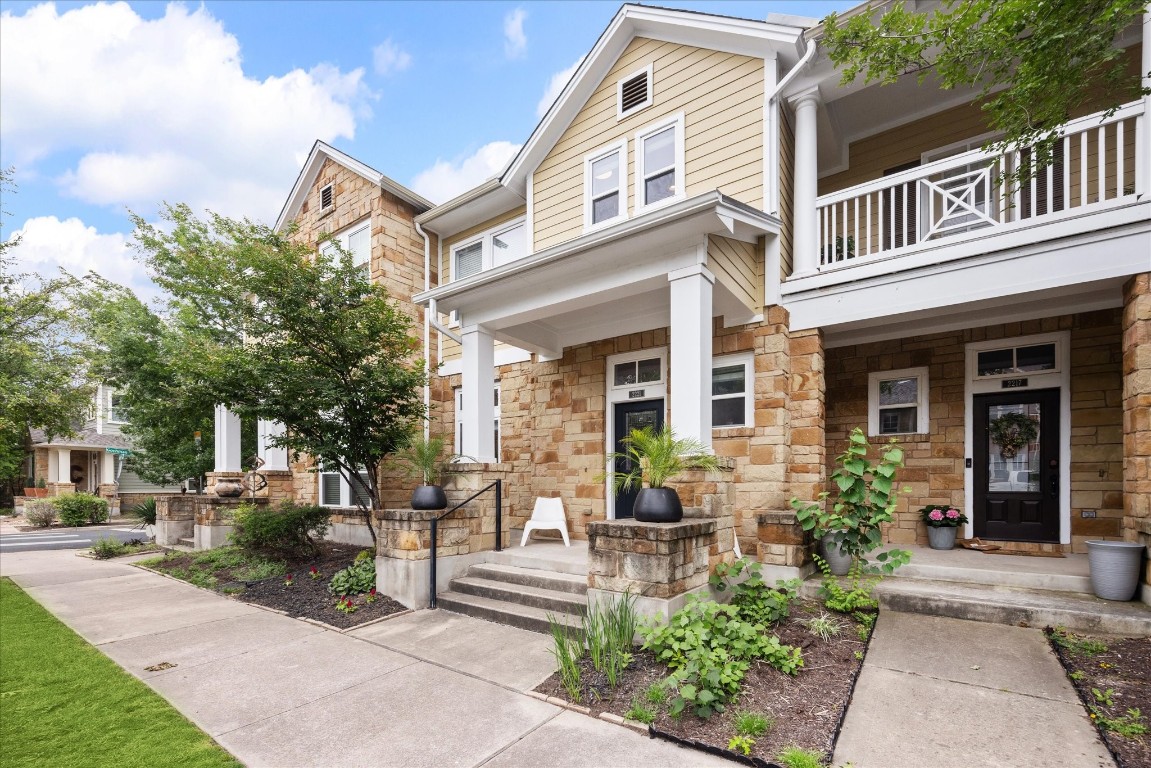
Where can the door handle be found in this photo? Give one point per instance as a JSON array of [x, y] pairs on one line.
[[1054, 480]]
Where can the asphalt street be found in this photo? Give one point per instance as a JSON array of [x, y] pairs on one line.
[[67, 538]]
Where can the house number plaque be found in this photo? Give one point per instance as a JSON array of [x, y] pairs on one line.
[[1013, 383], [635, 394]]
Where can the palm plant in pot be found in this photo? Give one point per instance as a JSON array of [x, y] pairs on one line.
[[424, 458], [654, 458], [865, 499]]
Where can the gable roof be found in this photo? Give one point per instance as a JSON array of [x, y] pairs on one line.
[[321, 152], [762, 39]]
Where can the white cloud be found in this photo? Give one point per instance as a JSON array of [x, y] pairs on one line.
[[48, 245], [515, 41], [555, 86], [388, 58], [448, 178], [162, 109]]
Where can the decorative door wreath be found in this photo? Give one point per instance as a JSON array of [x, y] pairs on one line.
[[1012, 431]]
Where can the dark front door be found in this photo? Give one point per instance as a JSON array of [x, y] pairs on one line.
[[1017, 489], [629, 416]]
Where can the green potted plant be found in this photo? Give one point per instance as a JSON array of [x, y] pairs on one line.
[[41, 489], [865, 499], [1012, 431], [654, 458], [424, 458], [30, 488], [942, 521]]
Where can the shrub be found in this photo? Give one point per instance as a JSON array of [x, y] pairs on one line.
[[357, 578], [756, 602], [144, 513], [105, 548], [81, 509], [40, 513], [856, 597], [290, 528]]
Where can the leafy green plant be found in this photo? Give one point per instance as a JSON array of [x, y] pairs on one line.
[[656, 693], [288, 529], [865, 618], [608, 631], [1080, 646], [865, 500], [742, 744], [824, 626], [757, 602], [107, 547], [795, 757], [144, 513], [568, 650], [424, 458], [1106, 698], [656, 457], [345, 605], [357, 578], [852, 599], [1129, 725], [40, 513], [1077, 675], [41, 483], [77, 509], [640, 713], [859, 655], [753, 724], [709, 648]]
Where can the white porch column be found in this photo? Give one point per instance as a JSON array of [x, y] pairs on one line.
[[53, 466], [1143, 124], [804, 240], [63, 465], [691, 290], [107, 469], [228, 457], [274, 458], [477, 376]]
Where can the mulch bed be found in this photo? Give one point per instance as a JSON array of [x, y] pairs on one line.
[[807, 709], [306, 597], [1124, 668]]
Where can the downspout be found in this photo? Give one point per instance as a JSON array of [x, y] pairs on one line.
[[808, 55], [427, 325], [445, 331]]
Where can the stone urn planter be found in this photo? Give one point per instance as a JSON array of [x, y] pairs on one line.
[[1115, 568], [942, 537], [228, 489], [838, 560]]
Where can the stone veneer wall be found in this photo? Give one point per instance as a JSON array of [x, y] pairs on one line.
[[1137, 415], [935, 461]]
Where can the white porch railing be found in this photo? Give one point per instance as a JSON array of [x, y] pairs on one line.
[[967, 195]]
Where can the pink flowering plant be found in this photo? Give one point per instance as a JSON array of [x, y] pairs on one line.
[[942, 516]]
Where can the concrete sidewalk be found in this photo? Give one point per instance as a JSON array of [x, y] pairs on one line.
[[949, 693], [426, 689]]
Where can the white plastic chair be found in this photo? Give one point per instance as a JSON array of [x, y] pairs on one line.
[[548, 514]]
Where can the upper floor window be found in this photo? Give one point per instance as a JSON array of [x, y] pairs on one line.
[[659, 162], [357, 241], [603, 185], [116, 414], [633, 92], [494, 248], [897, 402], [731, 390]]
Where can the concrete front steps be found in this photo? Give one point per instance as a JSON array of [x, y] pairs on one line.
[[518, 596]]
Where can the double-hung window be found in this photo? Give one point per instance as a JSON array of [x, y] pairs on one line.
[[732, 391], [604, 192], [337, 492], [494, 248], [659, 163], [460, 417], [357, 241], [116, 413], [897, 402]]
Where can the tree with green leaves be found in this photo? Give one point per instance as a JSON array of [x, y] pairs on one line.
[[42, 373], [275, 330], [1035, 62]]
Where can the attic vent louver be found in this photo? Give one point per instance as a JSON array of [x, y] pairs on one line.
[[326, 197], [635, 91]]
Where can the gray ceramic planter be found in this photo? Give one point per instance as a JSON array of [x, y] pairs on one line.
[[1114, 568], [838, 560]]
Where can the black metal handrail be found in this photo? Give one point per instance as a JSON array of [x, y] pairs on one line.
[[499, 486]]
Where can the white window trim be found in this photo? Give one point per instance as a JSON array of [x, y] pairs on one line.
[[345, 491], [485, 237], [747, 360], [458, 393], [1013, 344], [659, 353], [676, 121], [620, 147], [344, 238], [922, 421], [619, 113], [110, 393]]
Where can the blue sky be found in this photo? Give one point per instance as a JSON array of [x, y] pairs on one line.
[[110, 107]]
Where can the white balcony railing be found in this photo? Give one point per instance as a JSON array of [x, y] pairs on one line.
[[969, 195]]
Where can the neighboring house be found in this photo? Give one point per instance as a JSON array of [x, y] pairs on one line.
[[93, 459], [707, 229]]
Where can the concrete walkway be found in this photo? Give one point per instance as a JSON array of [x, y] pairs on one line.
[[426, 689], [949, 693]]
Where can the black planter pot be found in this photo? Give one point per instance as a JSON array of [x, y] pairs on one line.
[[657, 505], [429, 497]]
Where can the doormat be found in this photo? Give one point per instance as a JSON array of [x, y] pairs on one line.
[[1022, 552]]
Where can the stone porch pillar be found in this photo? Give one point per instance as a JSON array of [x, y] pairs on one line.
[[691, 304], [805, 243], [477, 375], [1137, 417], [275, 459]]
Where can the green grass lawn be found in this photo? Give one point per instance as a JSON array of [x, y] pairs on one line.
[[63, 703]]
